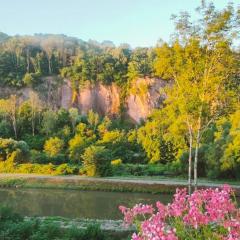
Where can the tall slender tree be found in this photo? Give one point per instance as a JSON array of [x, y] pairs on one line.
[[200, 62]]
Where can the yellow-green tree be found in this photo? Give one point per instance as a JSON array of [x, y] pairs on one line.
[[9, 107], [36, 108], [199, 64], [53, 146]]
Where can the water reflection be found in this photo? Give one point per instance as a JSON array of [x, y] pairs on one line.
[[73, 203]]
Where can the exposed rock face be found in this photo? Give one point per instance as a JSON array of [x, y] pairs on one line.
[[66, 95], [100, 98], [143, 97]]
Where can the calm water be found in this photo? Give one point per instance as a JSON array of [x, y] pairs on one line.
[[73, 203]]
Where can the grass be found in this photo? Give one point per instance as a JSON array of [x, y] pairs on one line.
[[112, 229], [177, 179], [84, 184], [166, 185]]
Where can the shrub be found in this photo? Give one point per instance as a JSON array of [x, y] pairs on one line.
[[5, 127], [96, 161], [76, 148], [206, 214], [35, 142], [65, 169], [6, 214], [9, 146], [14, 226], [53, 146], [146, 169], [38, 157]]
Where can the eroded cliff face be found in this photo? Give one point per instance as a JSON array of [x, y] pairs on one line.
[[100, 98], [144, 95], [49, 91]]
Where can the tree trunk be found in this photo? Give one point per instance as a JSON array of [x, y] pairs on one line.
[[33, 125], [190, 162], [196, 156], [28, 62], [14, 127], [49, 66]]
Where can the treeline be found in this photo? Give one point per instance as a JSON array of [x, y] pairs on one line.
[[44, 136], [25, 59], [74, 143], [195, 130]]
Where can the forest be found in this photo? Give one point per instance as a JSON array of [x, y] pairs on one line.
[[195, 131]]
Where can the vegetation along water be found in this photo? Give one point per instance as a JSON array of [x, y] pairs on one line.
[[86, 126]]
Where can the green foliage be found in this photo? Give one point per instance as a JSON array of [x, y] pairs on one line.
[[156, 145], [65, 169], [141, 63], [53, 146], [5, 129], [35, 142], [77, 145], [16, 150], [31, 79], [200, 68], [38, 157], [49, 122], [14, 226], [97, 161], [169, 169], [116, 162]]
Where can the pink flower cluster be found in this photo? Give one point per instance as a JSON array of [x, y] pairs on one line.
[[139, 209], [209, 209]]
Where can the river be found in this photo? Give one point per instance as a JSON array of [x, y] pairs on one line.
[[74, 203]]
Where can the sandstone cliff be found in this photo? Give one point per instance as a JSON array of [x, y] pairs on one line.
[[144, 95]]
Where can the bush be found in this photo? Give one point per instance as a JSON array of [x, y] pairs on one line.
[[96, 161], [35, 168], [13, 226], [35, 142], [65, 169], [9, 146], [53, 146], [205, 214], [6, 214], [38, 157], [146, 169], [5, 127]]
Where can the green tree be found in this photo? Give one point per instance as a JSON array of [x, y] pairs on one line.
[[36, 108], [73, 114], [9, 147], [97, 161], [199, 62], [231, 155], [9, 107], [49, 122]]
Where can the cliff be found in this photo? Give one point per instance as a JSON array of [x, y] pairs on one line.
[[144, 95]]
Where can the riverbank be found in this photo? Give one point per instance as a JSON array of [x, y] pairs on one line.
[[113, 229], [102, 184]]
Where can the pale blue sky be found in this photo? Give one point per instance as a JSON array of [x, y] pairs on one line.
[[137, 22]]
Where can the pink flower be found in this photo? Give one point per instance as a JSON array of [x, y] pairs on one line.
[[209, 208], [179, 204]]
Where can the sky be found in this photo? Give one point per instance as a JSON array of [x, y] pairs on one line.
[[136, 22]]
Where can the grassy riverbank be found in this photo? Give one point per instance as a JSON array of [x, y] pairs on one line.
[[80, 183], [127, 184], [15, 226], [112, 229]]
